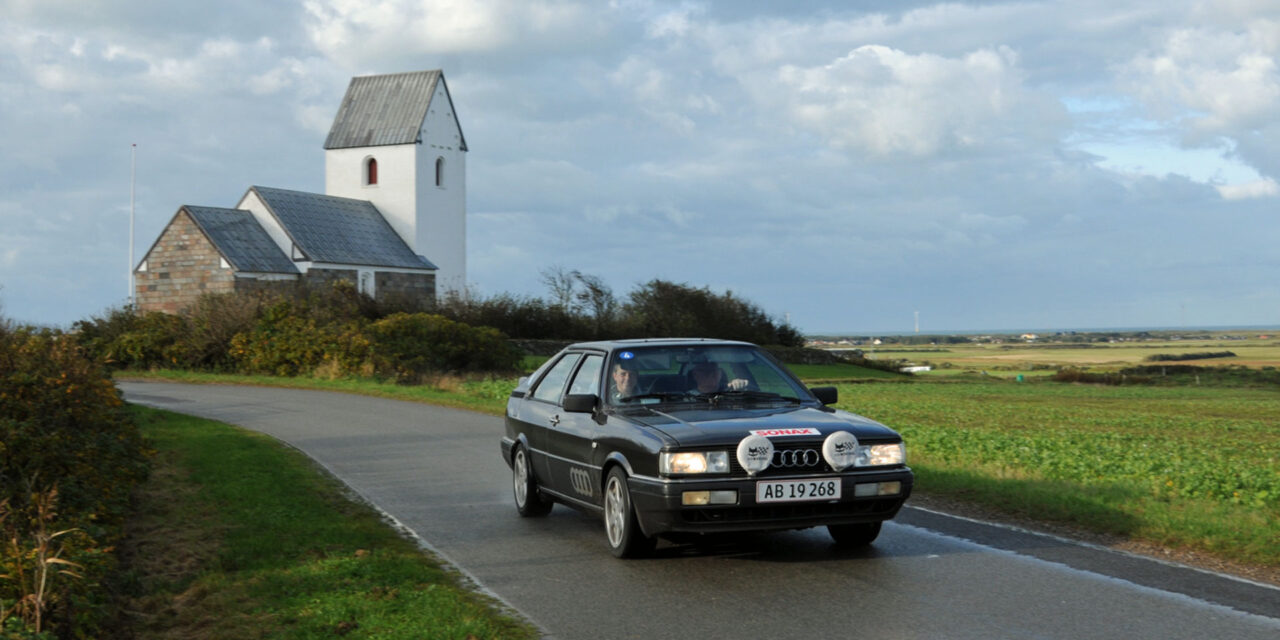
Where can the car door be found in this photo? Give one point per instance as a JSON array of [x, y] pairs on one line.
[[541, 409], [571, 438]]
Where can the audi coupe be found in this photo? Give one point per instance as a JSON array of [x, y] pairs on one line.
[[674, 436]]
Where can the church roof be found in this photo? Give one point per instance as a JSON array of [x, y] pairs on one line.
[[339, 230], [241, 240], [385, 109]]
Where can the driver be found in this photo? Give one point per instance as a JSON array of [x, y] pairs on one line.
[[707, 378]]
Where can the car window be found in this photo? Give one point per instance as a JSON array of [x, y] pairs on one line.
[[552, 384], [588, 378]]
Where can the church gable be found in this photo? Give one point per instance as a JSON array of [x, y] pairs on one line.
[[182, 265], [387, 109]]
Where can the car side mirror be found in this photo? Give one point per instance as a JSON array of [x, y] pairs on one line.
[[825, 395], [580, 402]]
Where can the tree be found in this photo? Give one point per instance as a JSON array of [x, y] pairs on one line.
[[597, 297], [562, 284]]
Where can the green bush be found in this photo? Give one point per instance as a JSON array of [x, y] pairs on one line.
[[287, 343], [127, 339], [408, 345], [70, 456], [518, 317], [667, 309]]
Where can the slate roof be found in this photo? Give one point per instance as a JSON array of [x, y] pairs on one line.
[[339, 230], [386, 109], [241, 240]]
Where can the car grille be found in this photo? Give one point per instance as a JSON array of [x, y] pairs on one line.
[[794, 458], [785, 512]]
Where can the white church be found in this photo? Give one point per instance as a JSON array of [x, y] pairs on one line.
[[392, 220]]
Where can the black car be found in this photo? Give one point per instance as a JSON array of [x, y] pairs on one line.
[[698, 436]]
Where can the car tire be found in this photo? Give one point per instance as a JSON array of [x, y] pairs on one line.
[[854, 535], [622, 529], [530, 503]]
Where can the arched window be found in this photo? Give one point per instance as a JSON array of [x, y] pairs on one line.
[[440, 172], [371, 171]]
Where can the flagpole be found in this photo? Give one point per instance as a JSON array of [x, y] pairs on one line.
[[133, 164]]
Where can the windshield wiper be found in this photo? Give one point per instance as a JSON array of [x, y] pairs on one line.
[[753, 395], [660, 395]]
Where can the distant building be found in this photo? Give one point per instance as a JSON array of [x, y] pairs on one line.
[[392, 220]]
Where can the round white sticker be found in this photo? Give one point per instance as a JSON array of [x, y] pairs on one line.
[[755, 453], [840, 449]]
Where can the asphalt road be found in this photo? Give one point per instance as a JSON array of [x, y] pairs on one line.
[[439, 473]]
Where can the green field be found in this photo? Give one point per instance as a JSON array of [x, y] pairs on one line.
[[1186, 467]]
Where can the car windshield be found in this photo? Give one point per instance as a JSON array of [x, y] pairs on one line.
[[699, 374]]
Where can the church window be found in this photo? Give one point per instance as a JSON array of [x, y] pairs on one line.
[[366, 282], [371, 172], [440, 172]]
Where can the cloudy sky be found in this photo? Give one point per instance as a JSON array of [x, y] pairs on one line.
[[990, 165]]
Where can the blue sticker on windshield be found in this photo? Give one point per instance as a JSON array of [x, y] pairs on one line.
[[626, 355]]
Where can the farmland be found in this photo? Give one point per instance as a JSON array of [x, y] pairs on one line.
[[1008, 356], [1185, 467]]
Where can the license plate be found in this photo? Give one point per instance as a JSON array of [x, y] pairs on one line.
[[797, 490]]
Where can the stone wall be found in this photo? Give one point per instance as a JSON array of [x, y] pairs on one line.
[[181, 267], [408, 286]]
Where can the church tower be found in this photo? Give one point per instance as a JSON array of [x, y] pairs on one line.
[[396, 142]]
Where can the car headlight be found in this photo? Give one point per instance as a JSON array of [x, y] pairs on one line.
[[878, 455], [694, 462]]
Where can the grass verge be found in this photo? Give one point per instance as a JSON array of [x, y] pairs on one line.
[[238, 536]]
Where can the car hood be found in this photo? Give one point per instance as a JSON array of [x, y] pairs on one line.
[[715, 427]]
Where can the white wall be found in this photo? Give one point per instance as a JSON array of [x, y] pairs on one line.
[[394, 196], [253, 204], [442, 234]]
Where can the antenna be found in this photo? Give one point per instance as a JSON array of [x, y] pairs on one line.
[[133, 164]]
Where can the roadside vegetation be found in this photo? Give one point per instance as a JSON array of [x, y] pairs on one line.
[[70, 455], [239, 536], [337, 332]]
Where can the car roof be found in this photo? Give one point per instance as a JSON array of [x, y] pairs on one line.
[[609, 345]]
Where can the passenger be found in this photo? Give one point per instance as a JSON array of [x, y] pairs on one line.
[[708, 378]]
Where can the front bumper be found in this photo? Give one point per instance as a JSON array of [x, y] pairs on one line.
[[660, 509]]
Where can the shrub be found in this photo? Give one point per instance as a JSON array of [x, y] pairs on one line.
[[667, 309], [522, 317], [409, 345], [1175, 357], [285, 343], [213, 322], [70, 456], [127, 339]]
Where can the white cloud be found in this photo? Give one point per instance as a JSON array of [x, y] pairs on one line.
[[1258, 189], [885, 101], [357, 33], [1214, 82]]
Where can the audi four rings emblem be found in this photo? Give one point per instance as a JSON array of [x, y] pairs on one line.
[[796, 458], [581, 481]]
